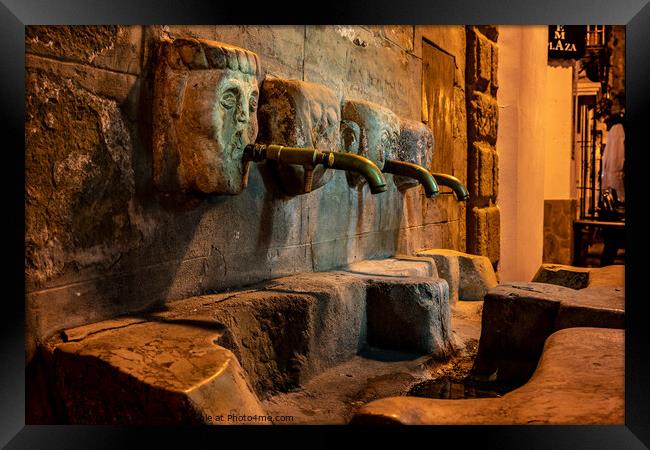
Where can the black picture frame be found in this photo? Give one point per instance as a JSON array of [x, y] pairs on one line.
[[15, 14]]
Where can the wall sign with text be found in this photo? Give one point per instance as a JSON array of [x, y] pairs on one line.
[[566, 41]]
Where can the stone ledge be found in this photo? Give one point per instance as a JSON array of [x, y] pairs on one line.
[[398, 266], [213, 354], [518, 317], [136, 374], [470, 277], [579, 380], [581, 277]]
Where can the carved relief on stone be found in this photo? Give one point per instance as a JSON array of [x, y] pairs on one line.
[[204, 114], [415, 145], [297, 113], [369, 130]]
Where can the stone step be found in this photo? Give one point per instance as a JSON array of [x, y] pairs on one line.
[[469, 276], [580, 379], [150, 373]]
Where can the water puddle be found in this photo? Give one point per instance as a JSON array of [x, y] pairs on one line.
[[446, 388]]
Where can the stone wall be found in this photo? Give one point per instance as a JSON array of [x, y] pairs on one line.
[[482, 117], [616, 75], [558, 231], [102, 241]]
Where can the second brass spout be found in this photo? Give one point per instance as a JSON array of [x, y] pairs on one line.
[[310, 158], [361, 165], [454, 183], [411, 170]]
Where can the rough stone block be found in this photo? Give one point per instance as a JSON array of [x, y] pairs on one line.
[[410, 315], [479, 60], [399, 266], [79, 178], [490, 31], [493, 216], [448, 269], [401, 35], [567, 276], [485, 232], [415, 145], [357, 63], [494, 77], [483, 113], [558, 231], [482, 172], [149, 374], [114, 47], [337, 323], [299, 114], [581, 277], [281, 47], [518, 317], [470, 277]]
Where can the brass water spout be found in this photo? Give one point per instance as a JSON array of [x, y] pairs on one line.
[[363, 166], [407, 169], [454, 183], [309, 158]]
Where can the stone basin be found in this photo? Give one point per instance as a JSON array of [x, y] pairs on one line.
[[208, 358], [579, 380]]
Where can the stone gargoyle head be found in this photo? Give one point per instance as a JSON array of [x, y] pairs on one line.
[[369, 130], [297, 113], [415, 145], [204, 114]]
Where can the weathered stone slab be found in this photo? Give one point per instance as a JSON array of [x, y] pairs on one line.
[[415, 145], [411, 315], [483, 112], [118, 48], [485, 231], [78, 153], [470, 277], [518, 317], [150, 373], [399, 266], [580, 380], [449, 269], [359, 63], [581, 277], [272, 337]]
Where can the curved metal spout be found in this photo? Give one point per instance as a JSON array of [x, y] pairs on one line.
[[361, 165], [454, 183], [407, 169], [310, 158]]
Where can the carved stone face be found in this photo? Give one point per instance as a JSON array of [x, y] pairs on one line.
[[299, 114], [204, 117], [217, 120], [415, 146], [379, 131]]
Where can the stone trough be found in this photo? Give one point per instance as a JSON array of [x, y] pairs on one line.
[[579, 380], [206, 358], [518, 317]]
